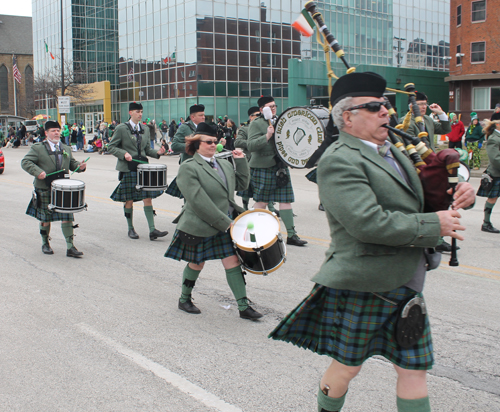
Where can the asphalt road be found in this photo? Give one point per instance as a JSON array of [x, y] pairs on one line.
[[103, 333]]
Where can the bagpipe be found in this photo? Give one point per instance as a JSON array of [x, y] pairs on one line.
[[438, 172]]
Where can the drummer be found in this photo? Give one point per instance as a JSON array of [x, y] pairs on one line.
[[130, 141], [42, 161], [202, 234], [263, 169]]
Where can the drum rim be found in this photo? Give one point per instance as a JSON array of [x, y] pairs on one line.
[[54, 183], [152, 166], [248, 249], [267, 271], [467, 167]]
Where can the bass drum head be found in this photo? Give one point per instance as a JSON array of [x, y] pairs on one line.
[[266, 226], [464, 171], [299, 131], [68, 184]]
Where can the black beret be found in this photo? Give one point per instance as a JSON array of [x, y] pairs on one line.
[[197, 108], [265, 100], [253, 109], [206, 129], [52, 125], [134, 106], [358, 84], [420, 96]]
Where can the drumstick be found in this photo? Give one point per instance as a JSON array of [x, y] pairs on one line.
[[85, 161], [53, 173], [139, 161]]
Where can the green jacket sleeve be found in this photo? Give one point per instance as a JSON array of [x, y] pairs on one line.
[[241, 138], [29, 162], [242, 174], [114, 146]]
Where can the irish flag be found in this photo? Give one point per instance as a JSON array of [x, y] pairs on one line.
[[47, 50], [169, 59], [304, 24]]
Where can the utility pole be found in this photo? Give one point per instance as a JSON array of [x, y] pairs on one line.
[[399, 49], [62, 51]]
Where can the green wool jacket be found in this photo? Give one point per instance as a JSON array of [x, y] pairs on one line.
[[377, 226], [207, 197], [179, 142], [493, 151], [124, 141], [432, 127], [263, 151], [38, 160], [241, 140]]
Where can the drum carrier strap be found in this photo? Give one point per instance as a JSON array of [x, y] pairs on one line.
[[138, 134], [55, 153]]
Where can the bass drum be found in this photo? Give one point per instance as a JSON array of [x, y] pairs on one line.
[[299, 131]]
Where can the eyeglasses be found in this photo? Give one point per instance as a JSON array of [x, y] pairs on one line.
[[373, 107], [255, 114], [274, 106], [209, 141]]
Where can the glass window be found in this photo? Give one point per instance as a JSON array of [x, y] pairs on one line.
[[459, 54], [481, 98], [459, 15], [495, 97], [479, 10], [457, 99], [477, 52]]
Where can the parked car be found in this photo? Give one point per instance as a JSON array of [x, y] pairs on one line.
[[2, 161], [31, 126]]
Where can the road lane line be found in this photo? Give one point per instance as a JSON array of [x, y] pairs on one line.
[[201, 395]]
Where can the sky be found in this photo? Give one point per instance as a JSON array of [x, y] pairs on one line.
[[16, 7]]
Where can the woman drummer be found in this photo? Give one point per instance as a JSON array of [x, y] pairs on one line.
[[492, 132], [202, 234]]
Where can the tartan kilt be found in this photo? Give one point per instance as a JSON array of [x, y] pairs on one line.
[[247, 193], [173, 189], [312, 176], [353, 326], [126, 190], [263, 181], [215, 247], [42, 213], [494, 191]]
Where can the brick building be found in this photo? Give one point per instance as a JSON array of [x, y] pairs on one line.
[[474, 79], [16, 40]]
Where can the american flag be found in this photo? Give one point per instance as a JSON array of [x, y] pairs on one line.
[[131, 74], [15, 71]]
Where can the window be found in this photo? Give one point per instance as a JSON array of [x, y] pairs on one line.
[[481, 98], [459, 15], [477, 52], [479, 10], [459, 54], [457, 99]]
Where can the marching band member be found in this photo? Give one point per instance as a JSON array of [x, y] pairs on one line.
[[374, 203], [264, 169], [44, 159], [202, 234], [130, 140]]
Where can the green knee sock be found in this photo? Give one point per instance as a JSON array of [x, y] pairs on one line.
[[271, 207], [150, 216], [67, 229], [287, 218], [327, 404], [236, 282], [129, 214], [189, 277], [44, 232], [414, 405], [488, 208]]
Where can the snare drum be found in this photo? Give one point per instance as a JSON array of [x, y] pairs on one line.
[[151, 177], [268, 252], [464, 171], [67, 196], [299, 131]]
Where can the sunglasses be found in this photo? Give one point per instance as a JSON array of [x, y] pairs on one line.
[[209, 141], [255, 114], [373, 107]]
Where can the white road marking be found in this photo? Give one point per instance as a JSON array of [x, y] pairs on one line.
[[201, 395]]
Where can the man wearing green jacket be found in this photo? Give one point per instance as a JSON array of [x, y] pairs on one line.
[[378, 255], [130, 141], [264, 169], [196, 116], [42, 161]]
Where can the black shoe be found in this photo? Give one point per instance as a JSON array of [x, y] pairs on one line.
[[132, 234], [320, 207], [295, 241], [487, 227], [250, 313], [73, 252], [47, 249], [188, 307], [277, 213], [156, 234], [445, 247]]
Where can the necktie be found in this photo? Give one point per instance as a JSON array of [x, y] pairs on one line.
[[219, 171], [385, 152], [57, 150]]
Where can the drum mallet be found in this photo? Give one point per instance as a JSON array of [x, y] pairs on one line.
[[268, 114]]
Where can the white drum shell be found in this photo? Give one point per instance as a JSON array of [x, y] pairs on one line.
[[67, 196], [151, 177]]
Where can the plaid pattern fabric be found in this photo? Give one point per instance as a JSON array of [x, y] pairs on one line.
[[215, 247], [173, 189], [352, 326], [312, 176], [126, 190], [264, 186], [494, 191], [42, 213], [246, 194]]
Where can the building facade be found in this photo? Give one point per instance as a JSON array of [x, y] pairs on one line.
[[474, 79]]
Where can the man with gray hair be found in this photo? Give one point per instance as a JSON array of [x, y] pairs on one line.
[[381, 247]]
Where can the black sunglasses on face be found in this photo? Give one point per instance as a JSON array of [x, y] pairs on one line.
[[209, 141], [255, 114], [373, 107]]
